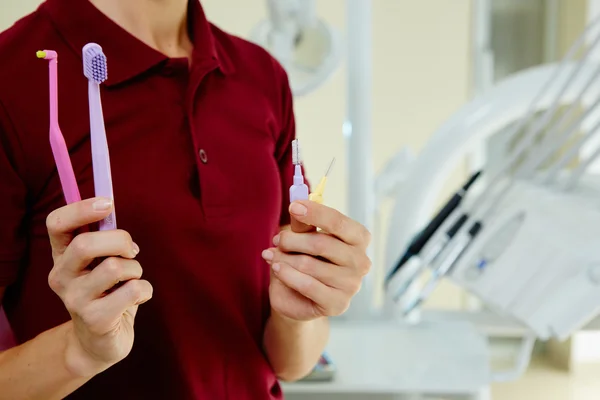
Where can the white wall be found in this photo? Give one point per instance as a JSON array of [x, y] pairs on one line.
[[11, 10], [421, 76]]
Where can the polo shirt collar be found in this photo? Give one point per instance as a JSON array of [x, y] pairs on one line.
[[79, 23]]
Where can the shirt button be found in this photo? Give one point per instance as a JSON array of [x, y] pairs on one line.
[[203, 156]]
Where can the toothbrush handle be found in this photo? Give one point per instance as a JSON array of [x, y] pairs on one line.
[[298, 192], [62, 159], [64, 167], [100, 155], [103, 187]]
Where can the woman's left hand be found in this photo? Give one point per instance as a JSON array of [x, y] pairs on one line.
[[316, 274]]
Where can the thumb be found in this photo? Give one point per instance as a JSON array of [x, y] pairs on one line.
[[297, 226]]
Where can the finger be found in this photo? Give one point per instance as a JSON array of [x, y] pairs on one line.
[[107, 274], [331, 275], [329, 301], [61, 223], [318, 245], [299, 227], [331, 221], [131, 294], [88, 246], [304, 284]]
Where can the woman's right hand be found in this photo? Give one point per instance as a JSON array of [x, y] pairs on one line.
[[102, 314]]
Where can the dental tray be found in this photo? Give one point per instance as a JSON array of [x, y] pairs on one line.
[[538, 259]]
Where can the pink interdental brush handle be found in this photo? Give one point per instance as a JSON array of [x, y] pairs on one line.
[[57, 140]]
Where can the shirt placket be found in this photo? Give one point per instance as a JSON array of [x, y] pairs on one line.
[[198, 73]]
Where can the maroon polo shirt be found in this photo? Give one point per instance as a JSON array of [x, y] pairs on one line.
[[201, 164]]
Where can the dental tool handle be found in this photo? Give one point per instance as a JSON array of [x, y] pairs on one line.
[[400, 282], [317, 194], [419, 242], [299, 190], [404, 279], [58, 145], [447, 265], [455, 253], [53, 86], [100, 155], [450, 234], [64, 167], [423, 237], [471, 236]]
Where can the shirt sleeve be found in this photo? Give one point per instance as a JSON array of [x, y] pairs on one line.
[[284, 144], [13, 195]]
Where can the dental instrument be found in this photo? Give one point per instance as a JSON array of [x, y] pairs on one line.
[[95, 70], [454, 249], [425, 235], [317, 194], [416, 264], [448, 263], [450, 250], [299, 189], [57, 140]]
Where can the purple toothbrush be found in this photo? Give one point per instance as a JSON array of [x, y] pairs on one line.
[[95, 70]]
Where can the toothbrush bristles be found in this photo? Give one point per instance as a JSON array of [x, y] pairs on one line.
[[95, 65], [296, 159], [330, 167]]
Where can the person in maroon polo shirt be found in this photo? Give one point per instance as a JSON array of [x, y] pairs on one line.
[[199, 126]]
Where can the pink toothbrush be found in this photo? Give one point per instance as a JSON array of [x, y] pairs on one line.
[[95, 70], [299, 190], [57, 140]]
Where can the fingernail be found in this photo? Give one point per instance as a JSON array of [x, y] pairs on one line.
[[102, 205], [276, 240], [136, 249], [267, 255], [298, 209], [276, 267]]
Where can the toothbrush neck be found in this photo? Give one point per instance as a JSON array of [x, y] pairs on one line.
[[53, 92], [298, 177]]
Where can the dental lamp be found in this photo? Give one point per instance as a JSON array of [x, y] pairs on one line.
[[307, 47]]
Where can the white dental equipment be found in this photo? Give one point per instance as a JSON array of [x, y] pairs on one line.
[[440, 243], [501, 268]]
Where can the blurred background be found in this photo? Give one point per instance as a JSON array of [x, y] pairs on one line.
[[429, 58]]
